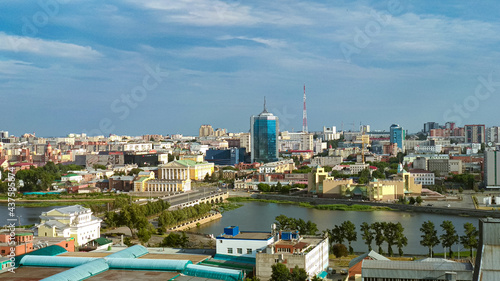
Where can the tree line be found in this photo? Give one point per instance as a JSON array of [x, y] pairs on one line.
[[135, 217], [384, 232], [170, 218]]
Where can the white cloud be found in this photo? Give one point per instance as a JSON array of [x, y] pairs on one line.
[[273, 43], [220, 13], [12, 43]]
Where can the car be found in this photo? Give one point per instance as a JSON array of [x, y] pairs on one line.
[[430, 205], [343, 271]]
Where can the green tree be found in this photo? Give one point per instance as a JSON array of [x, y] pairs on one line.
[[335, 235], [429, 236], [390, 233], [367, 234], [298, 274], [412, 200], [339, 250], [133, 217], [449, 237], [135, 171], [419, 200], [379, 227], [280, 272], [349, 233], [470, 239], [175, 240], [401, 239]]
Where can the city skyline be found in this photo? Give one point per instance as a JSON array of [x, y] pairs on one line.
[[167, 67]]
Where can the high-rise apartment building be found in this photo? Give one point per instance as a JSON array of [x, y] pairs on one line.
[[206, 131], [475, 134], [492, 169], [493, 135], [429, 126], [264, 129], [4, 134], [397, 136]]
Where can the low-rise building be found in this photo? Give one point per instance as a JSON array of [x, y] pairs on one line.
[[427, 269], [423, 177], [72, 221], [291, 249], [236, 243]]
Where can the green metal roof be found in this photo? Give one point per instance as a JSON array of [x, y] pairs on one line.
[[52, 250], [81, 272], [147, 264], [130, 252], [102, 241], [213, 272]]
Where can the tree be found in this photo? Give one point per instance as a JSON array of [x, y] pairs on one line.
[[175, 240], [390, 233], [470, 239], [280, 272], [378, 227], [419, 200], [335, 235], [339, 250], [401, 239], [298, 274], [412, 200], [449, 237], [367, 234], [133, 217], [429, 236], [349, 233]]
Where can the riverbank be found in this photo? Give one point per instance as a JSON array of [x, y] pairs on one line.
[[298, 200], [332, 207]]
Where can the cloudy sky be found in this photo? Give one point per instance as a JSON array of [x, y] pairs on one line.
[[165, 66]]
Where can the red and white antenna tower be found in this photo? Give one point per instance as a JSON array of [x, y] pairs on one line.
[[304, 113]]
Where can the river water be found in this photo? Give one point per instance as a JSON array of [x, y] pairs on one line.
[[258, 216]]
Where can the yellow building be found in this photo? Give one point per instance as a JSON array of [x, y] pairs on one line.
[[72, 221], [325, 186], [196, 170]]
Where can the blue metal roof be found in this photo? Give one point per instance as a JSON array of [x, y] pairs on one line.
[[213, 272], [48, 261], [130, 252], [52, 250], [147, 264], [81, 272]]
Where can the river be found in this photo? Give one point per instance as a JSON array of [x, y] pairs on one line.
[[258, 216]]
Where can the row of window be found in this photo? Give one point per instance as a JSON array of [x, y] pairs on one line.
[[239, 251]]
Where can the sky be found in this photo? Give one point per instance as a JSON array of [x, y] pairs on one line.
[[167, 67]]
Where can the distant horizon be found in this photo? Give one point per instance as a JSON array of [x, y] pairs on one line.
[[128, 68], [235, 132]]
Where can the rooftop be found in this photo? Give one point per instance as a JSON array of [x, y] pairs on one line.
[[248, 235]]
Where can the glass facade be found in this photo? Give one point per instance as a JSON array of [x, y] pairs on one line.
[[397, 135], [264, 130]]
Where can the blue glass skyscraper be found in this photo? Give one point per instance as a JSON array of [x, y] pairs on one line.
[[398, 136], [264, 129]]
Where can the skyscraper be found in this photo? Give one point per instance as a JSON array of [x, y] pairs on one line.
[[397, 136], [264, 130], [475, 134], [492, 169]]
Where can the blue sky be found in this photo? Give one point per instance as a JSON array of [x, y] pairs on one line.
[[86, 66]]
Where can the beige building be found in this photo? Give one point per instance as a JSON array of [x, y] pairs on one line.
[[307, 252], [245, 141], [322, 185], [206, 131], [282, 166], [72, 221], [445, 166]]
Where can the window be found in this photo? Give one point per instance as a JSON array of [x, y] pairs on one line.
[[249, 251], [240, 251], [229, 250]]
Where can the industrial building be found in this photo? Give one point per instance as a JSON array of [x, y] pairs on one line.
[[133, 263]]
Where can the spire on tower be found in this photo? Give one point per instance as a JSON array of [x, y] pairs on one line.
[[304, 113]]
